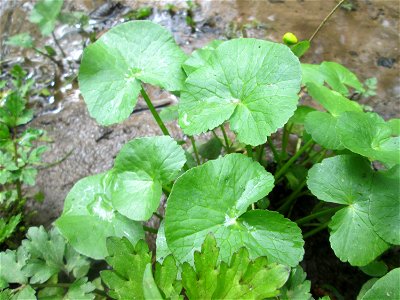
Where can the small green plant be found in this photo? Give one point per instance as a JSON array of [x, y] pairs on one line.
[[232, 227], [19, 156], [46, 14]]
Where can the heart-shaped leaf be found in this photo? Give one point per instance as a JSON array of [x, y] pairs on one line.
[[89, 204], [322, 125], [252, 83], [349, 180], [214, 198], [113, 68], [141, 168], [369, 135]]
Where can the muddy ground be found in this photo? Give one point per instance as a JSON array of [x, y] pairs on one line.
[[363, 37]]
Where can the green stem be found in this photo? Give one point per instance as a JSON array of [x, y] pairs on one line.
[[274, 151], [153, 111], [217, 137], [315, 230], [249, 150], [260, 153], [59, 64], [58, 44], [196, 154], [292, 197], [325, 20], [316, 215], [305, 162], [49, 165], [18, 181], [149, 229], [286, 166], [227, 142], [285, 139]]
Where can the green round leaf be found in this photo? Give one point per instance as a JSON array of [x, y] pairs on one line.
[[113, 67], [88, 218], [369, 135], [386, 287], [252, 83], [384, 207], [375, 268], [214, 198], [321, 125], [141, 168], [23, 40], [349, 180]]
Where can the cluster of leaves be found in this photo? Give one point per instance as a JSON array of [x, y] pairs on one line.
[[19, 153], [40, 264], [253, 86]]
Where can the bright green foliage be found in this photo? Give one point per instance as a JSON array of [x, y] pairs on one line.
[[113, 68], [11, 266], [350, 181], [150, 289], [338, 77], [376, 268], [311, 73], [170, 113], [45, 13], [40, 259], [297, 287], [80, 289], [46, 256], [300, 48], [200, 57], [214, 198], [369, 135], [23, 40], [366, 286], [20, 153], [26, 293], [166, 278], [252, 83], [131, 277], [162, 250], [89, 203], [395, 126], [240, 279], [129, 263], [386, 287], [384, 205], [7, 228], [322, 125], [141, 168]]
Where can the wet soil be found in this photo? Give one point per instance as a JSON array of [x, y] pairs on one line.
[[365, 39]]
